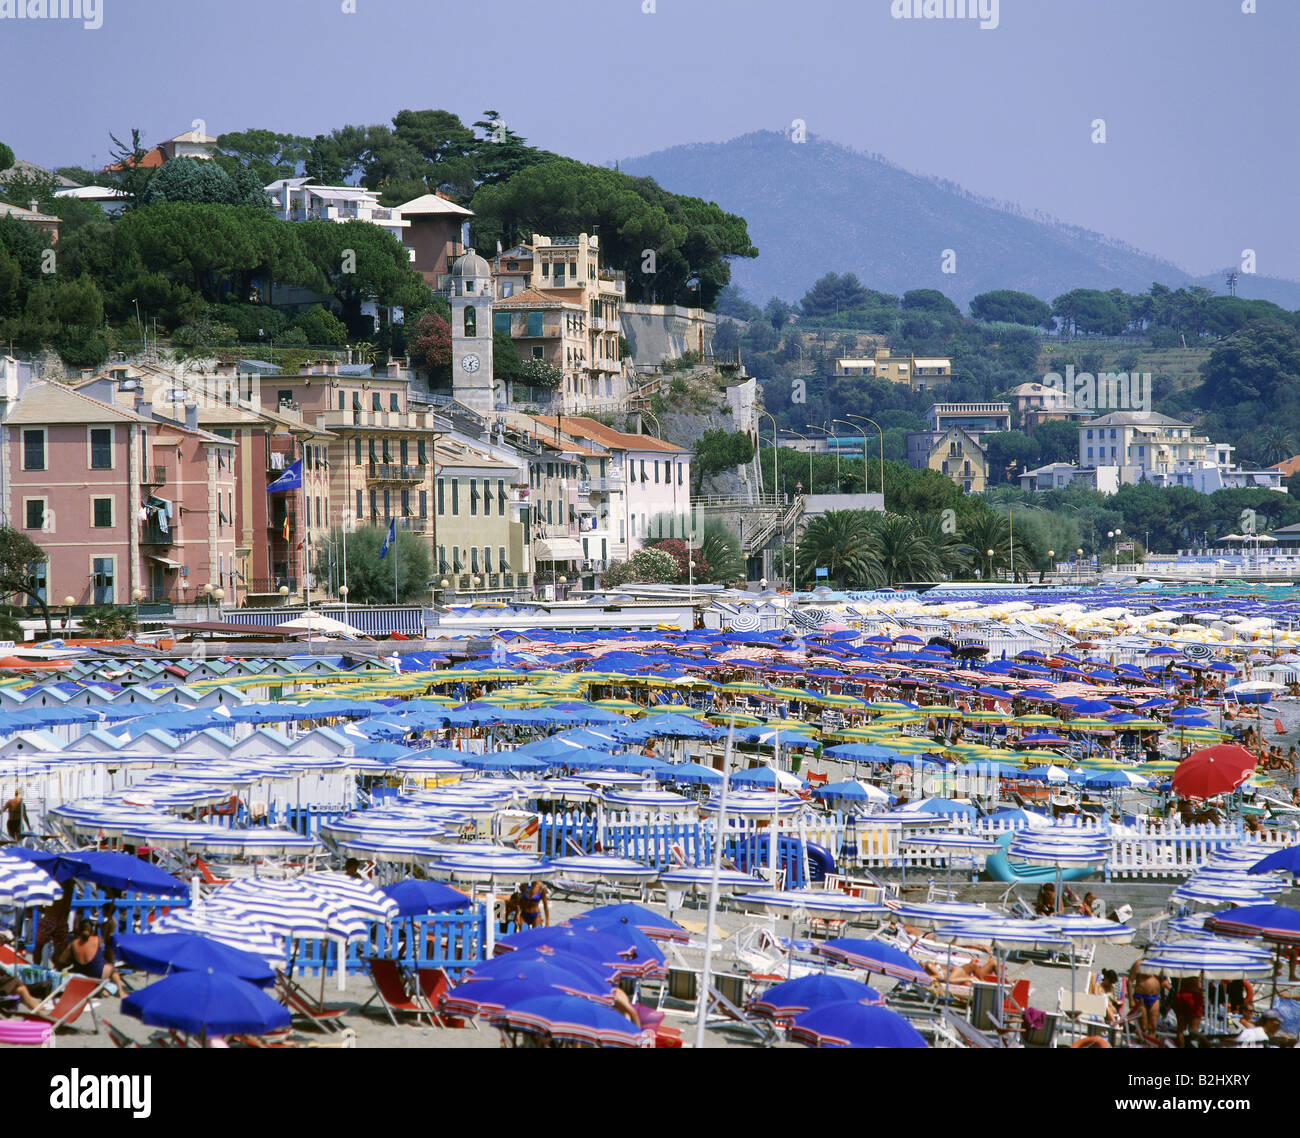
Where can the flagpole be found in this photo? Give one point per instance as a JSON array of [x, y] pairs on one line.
[[394, 562]]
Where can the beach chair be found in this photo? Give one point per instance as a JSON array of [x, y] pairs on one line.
[[434, 985], [391, 992], [966, 1034], [1045, 1034], [985, 1015], [302, 1006], [120, 1038], [1085, 1012], [65, 1007], [728, 1015]]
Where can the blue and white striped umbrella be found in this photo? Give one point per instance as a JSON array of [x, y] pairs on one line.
[[813, 902], [22, 883], [257, 842], [933, 913], [490, 869], [597, 868], [1259, 883], [1176, 960], [353, 892], [731, 880], [650, 801], [1213, 893], [949, 843], [291, 909], [366, 826], [228, 927], [759, 805], [390, 848], [1080, 928], [1005, 933]]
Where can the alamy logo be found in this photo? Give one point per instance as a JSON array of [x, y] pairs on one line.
[[986, 11], [1106, 391], [75, 1091], [89, 12]]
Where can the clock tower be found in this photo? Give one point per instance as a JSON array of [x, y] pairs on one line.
[[471, 335]]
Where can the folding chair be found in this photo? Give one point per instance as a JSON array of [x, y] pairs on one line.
[[390, 990], [302, 1006], [64, 1007], [120, 1038]]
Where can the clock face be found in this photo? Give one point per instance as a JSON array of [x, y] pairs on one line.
[[469, 362]]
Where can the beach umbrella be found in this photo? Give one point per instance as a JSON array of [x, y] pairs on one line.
[[486, 997], [852, 791], [597, 867], [1287, 858], [24, 883], [1271, 922], [571, 1019], [227, 927], [850, 1023], [620, 947], [781, 1001], [1182, 959], [112, 870], [570, 973], [291, 909], [1213, 771], [163, 953], [813, 902], [414, 898], [206, 1003], [646, 920], [872, 956]]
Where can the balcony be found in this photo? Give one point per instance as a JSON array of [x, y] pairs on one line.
[[395, 472], [268, 586], [415, 525], [603, 485], [159, 475], [152, 534]]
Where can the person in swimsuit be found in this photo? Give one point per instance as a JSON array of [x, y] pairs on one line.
[[536, 901], [86, 955], [15, 815], [1144, 989]]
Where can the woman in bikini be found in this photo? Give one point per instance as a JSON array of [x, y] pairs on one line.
[[535, 902], [1144, 989]]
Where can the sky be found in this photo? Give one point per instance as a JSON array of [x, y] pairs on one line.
[[1194, 96]]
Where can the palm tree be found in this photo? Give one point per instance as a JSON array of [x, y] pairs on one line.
[[844, 543], [1277, 447], [985, 532], [720, 549], [905, 550]]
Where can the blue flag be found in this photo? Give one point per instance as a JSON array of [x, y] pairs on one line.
[[291, 479], [392, 537]]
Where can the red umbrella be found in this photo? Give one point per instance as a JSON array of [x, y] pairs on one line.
[[1215, 770]]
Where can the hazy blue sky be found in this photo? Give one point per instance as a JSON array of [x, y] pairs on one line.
[[1199, 163]]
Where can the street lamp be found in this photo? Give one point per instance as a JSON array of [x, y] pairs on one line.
[[1051, 563], [343, 596], [851, 427], [137, 596], [1078, 561], [989, 554], [68, 603], [776, 454], [810, 456], [824, 431], [864, 455], [284, 594]]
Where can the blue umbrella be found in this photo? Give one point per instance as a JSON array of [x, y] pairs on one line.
[[487, 996], [848, 1023], [692, 773], [557, 970], [570, 1018], [206, 1003], [794, 996], [416, 897], [162, 953], [873, 956], [1287, 858], [110, 870], [639, 917], [604, 948]]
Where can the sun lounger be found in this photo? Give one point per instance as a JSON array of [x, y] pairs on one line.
[[120, 1038], [302, 1006], [65, 1007], [966, 1034], [391, 991]]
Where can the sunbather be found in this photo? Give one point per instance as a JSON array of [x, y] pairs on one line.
[[84, 952], [962, 975]]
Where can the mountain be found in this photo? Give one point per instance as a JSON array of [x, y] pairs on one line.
[[817, 207]]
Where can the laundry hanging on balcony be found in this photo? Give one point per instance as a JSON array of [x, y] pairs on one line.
[[158, 511]]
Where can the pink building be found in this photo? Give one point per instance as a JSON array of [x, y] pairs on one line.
[[126, 506]]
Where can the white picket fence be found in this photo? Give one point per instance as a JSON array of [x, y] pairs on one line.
[[1160, 849]]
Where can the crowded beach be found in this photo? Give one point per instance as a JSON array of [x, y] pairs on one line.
[[954, 819]]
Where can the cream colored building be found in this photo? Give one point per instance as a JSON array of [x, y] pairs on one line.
[[918, 372]]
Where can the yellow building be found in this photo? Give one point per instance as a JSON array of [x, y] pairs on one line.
[[918, 372], [959, 456]]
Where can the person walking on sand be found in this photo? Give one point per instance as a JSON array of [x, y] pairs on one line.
[[16, 815]]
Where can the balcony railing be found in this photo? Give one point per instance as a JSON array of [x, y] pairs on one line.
[[602, 485], [159, 475], [152, 534], [269, 585], [395, 472]]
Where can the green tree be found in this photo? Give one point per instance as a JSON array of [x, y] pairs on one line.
[[905, 551], [987, 532], [1087, 310], [430, 347], [370, 580], [832, 295], [320, 326], [539, 373], [267, 154], [127, 168], [648, 566], [360, 261], [843, 542], [206, 182], [19, 556], [718, 450], [1058, 441], [930, 300], [506, 364], [109, 622], [6, 157], [1010, 454], [1006, 306]]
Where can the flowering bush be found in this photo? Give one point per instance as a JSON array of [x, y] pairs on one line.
[[648, 567]]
